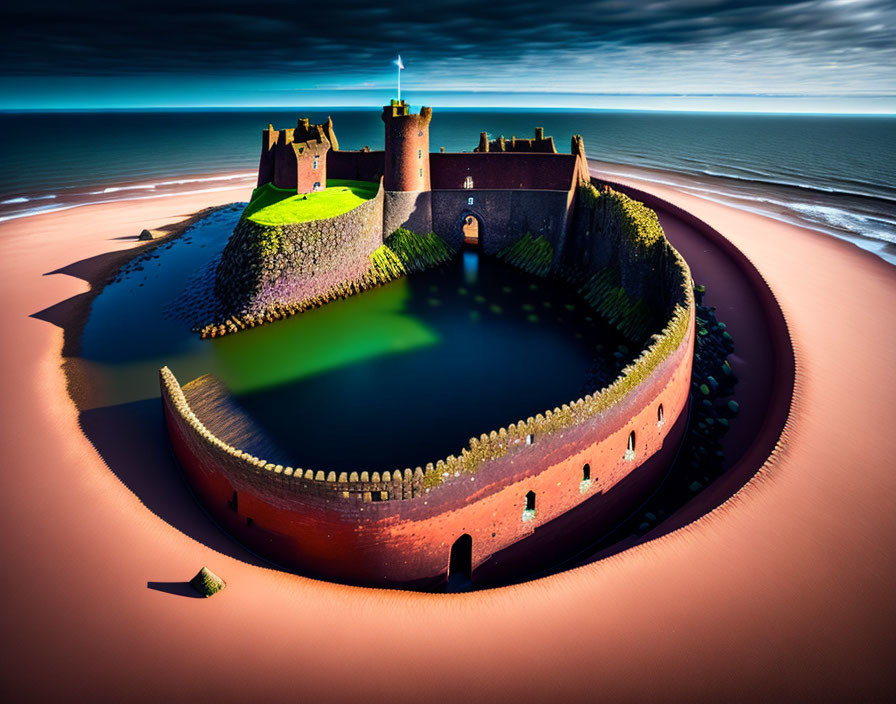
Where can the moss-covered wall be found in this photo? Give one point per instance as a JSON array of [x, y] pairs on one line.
[[264, 268], [397, 526], [612, 230]]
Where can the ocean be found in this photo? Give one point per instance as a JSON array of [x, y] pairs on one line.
[[834, 174]]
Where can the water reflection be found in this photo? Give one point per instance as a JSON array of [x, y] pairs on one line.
[[397, 376], [471, 267]]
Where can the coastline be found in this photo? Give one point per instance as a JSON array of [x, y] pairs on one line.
[[126, 190], [795, 570], [791, 203]]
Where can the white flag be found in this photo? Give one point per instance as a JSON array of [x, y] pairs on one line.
[[398, 63]]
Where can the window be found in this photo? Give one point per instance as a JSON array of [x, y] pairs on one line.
[[419, 153], [530, 439], [316, 186], [630, 450], [468, 182], [659, 415], [585, 484], [420, 133], [233, 504], [315, 162], [421, 172], [470, 200], [529, 511]]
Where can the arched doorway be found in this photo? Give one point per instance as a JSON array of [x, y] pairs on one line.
[[469, 228], [471, 231], [460, 564]]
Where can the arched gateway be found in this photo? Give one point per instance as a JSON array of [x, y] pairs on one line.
[[460, 564], [469, 229]]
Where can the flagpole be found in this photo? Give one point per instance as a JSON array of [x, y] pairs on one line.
[[399, 81]]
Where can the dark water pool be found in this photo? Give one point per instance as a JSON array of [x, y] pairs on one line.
[[397, 376]]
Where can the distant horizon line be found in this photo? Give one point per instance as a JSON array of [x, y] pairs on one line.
[[453, 108]]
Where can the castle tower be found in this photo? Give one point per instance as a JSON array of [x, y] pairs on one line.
[[408, 198], [296, 158]]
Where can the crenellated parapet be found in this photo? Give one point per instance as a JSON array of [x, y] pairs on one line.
[[246, 471], [644, 244], [539, 143]]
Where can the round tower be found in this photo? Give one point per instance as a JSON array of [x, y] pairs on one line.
[[406, 181]]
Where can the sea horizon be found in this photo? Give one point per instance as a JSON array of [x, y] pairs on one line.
[[832, 173], [444, 108]]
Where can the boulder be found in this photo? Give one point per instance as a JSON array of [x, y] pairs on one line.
[[146, 235], [207, 582]]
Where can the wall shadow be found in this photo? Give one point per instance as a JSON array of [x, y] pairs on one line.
[[131, 438], [133, 442], [175, 589]]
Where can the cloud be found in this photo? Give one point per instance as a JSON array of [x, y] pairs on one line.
[[657, 45]]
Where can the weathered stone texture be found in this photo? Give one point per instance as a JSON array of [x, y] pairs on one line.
[[504, 216], [267, 265], [409, 209]]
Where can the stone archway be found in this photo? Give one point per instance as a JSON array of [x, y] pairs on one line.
[[469, 229], [460, 564]]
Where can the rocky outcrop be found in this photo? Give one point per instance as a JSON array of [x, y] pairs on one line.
[[267, 268]]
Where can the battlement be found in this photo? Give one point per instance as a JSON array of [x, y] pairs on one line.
[[399, 108], [539, 143]]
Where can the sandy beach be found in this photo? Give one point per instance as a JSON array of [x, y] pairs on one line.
[[783, 592]]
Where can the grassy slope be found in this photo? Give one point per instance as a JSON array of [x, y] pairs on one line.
[[278, 206]]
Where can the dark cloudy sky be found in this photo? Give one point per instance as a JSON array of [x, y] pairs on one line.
[[825, 55]]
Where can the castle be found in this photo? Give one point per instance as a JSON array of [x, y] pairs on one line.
[[506, 186], [498, 505]]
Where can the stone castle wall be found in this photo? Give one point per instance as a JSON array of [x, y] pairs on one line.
[[356, 165], [263, 266], [504, 216], [612, 230], [409, 209], [539, 143], [396, 527], [500, 170]]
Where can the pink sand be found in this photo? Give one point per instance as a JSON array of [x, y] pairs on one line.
[[786, 591]]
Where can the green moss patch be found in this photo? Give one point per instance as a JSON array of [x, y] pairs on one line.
[[603, 291], [280, 206], [529, 254], [418, 252], [207, 583], [637, 223]]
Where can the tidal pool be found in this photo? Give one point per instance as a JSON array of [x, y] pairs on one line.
[[395, 377]]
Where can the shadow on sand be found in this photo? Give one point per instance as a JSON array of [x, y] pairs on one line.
[[175, 588], [131, 437], [133, 441]]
